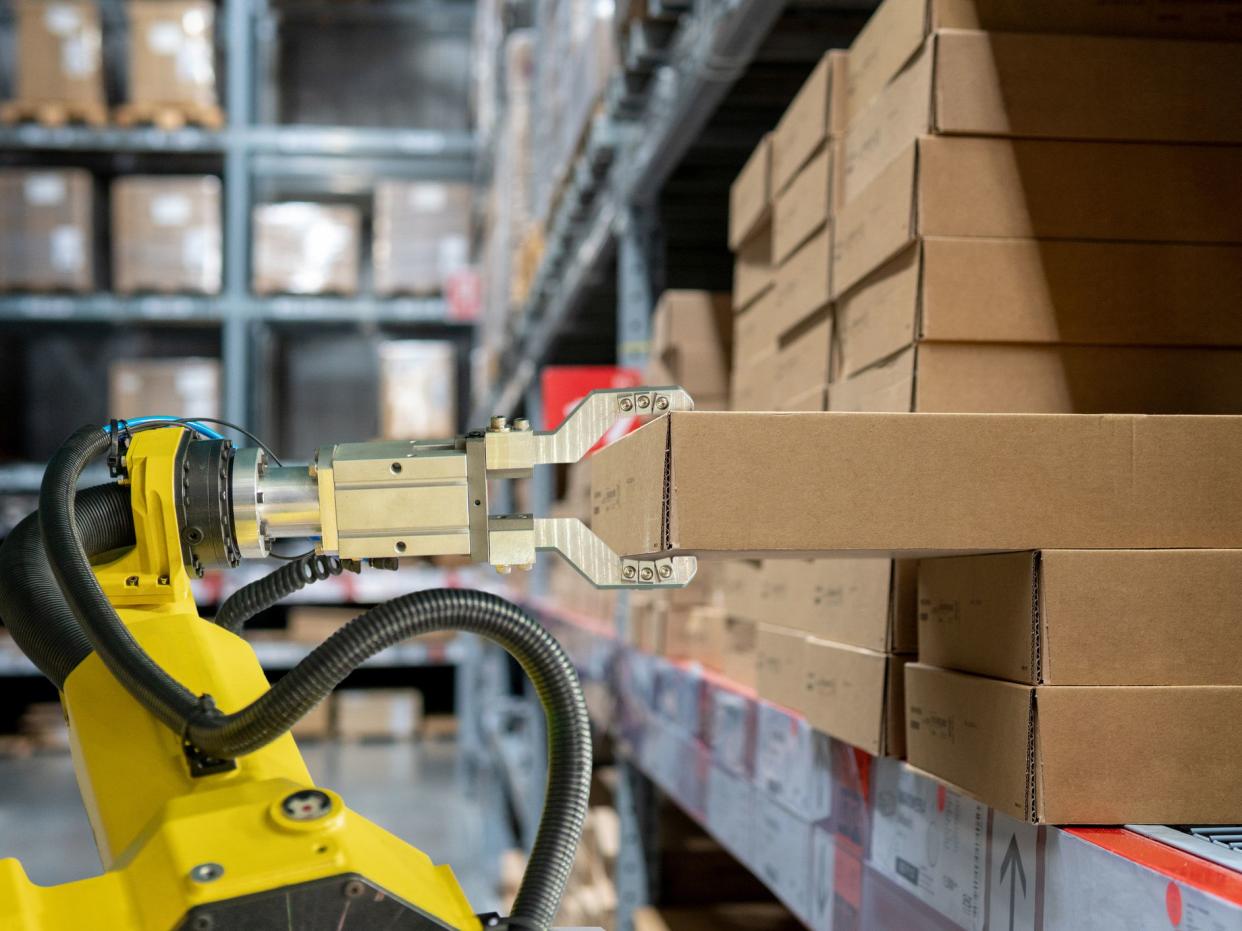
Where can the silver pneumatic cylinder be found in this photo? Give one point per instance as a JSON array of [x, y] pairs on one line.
[[272, 503]]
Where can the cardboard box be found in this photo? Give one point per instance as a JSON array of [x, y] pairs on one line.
[[804, 207], [803, 283], [59, 54], [696, 634], [754, 383], [897, 29], [421, 235], [750, 195], [417, 389], [815, 115], [1047, 87], [813, 399], [1066, 754], [47, 236], [739, 651], [998, 188], [166, 234], [316, 724], [1085, 617], [182, 387], [1041, 291], [314, 624], [855, 695], [804, 359], [1051, 379], [692, 342], [384, 714], [742, 589], [172, 52], [780, 671], [306, 248], [750, 485], [753, 338], [868, 603], [754, 272]]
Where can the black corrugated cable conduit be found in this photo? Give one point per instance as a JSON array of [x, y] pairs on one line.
[[272, 714], [274, 588]]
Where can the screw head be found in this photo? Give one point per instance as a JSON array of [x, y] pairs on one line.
[[662, 403], [626, 404], [646, 575], [628, 572], [354, 888], [521, 424], [498, 424], [644, 402], [666, 572], [132, 581], [504, 570], [203, 923], [206, 872]]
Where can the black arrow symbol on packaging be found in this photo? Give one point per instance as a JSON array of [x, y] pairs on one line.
[[1012, 864]]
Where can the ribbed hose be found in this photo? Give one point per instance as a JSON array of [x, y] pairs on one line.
[[31, 602], [308, 683], [273, 588]]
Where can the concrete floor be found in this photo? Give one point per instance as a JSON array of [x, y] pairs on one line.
[[407, 788]]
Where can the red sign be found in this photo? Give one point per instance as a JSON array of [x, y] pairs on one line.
[[564, 387]]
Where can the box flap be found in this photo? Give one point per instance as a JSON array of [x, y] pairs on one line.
[[877, 224], [816, 113], [750, 196], [628, 488], [887, 385], [804, 207], [893, 34], [846, 693], [880, 316], [803, 283], [1044, 291], [1146, 754], [979, 614], [1141, 617], [974, 732]]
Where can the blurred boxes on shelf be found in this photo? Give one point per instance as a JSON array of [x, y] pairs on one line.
[[166, 234], [171, 54], [750, 196], [301, 247], [814, 118], [315, 624], [182, 387], [377, 714], [417, 389], [421, 235], [316, 724], [691, 345], [59, 51], [47, 237]]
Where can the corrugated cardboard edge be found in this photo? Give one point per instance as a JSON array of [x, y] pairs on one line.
[[666, 507], [1038, 653]]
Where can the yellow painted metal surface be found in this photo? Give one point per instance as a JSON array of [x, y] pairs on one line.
[[153, 822]]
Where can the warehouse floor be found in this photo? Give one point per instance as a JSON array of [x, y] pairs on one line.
[[408, 788]]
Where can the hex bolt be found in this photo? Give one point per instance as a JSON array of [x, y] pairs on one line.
[[132, 581], [628, 572], [206, 872], [661, 403], [626, 404], [666, 572], [646, 575]]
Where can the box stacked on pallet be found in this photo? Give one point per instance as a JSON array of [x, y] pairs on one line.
[[306, 248], [1082, 686], [166, 234], [172, 68], [59, 67], [47, 235], [1031, 221], [421, 235]]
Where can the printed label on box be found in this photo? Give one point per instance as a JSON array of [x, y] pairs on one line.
[[170, 210], [930, 841], [66, 248], [61, 19], [44, 190], [164, 38], [783, 854]]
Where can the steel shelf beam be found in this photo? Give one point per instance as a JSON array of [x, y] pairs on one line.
[[111, 308], [37, 138]]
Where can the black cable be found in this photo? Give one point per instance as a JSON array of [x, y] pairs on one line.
[[230, 735], [190, 421], [273, 588]]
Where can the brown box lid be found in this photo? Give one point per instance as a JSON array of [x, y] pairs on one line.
[[1047, 379], [804, 282], [750, 196], [815, 114], [897, 29], [753, 269], [855, 695], [744, 484], [804, 207], [1085, 617], [1042, 291], [1031, 86], [1001, 188], [1065, 754]]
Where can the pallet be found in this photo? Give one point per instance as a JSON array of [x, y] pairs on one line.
[[169, 117], [53, 113]]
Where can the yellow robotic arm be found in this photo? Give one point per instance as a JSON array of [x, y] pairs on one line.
[[202, 808]]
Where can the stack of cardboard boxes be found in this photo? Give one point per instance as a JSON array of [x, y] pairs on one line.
[[422, 235], [166, 234], [302, 247], [171, 65], [59, 67], [47, 240]]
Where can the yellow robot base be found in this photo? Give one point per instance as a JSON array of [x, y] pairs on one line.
[[254, 846]]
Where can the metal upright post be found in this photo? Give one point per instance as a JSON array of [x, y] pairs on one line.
[[640, 279], [638, 860], [239, 401]]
